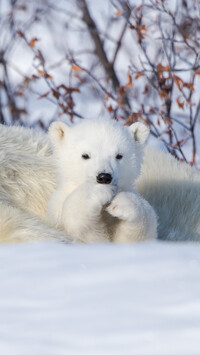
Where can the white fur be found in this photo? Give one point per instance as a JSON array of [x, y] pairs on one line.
[[173, 189], [27, 180]]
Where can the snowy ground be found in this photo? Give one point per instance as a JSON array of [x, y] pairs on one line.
[[139, 299]]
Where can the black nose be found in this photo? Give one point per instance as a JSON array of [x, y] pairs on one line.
[[104, 178]]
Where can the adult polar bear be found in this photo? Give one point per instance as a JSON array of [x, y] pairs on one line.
[[27, 180]]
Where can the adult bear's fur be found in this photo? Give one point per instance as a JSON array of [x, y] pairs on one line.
[[27, 180], [173, 189]]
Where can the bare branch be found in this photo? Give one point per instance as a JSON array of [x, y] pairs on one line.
[[108, 66]]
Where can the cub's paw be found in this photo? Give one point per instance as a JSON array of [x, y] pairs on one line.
[[103, 194], [125, 206]]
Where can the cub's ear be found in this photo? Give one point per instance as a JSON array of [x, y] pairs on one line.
[[57, 131], [140, 132]]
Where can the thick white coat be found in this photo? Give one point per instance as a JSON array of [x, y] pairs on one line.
[[27, 179], [90, 211], [173, 189]]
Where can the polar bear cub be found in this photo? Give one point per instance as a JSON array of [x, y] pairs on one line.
[[97, 162]]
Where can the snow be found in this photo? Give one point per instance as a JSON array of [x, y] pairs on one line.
[[141, 299]]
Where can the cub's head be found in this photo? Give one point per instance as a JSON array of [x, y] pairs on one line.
[[101, 151]]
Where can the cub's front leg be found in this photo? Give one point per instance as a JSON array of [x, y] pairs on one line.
[[137, 219], [81, 215]]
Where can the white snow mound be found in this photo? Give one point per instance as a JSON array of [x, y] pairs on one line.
[[141, 299]]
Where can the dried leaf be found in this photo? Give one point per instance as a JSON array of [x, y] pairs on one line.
[[138, 8], [41, 72], [32, 42], [110, 108], [159, 70], [142, 28], [181, 141], [76, 68], [163, 94], [178, 143], [130, 82], [166, 68], [161, 67], [118, 13], [146, 89], [178, 82], [189, 86], [44, 95], [67, 89], [169, 121], [40, 57], [108, 96], [133, 118], [48, 76], [180, 104], [121, 90], [34, 76], [141, 31], [119, 101], [79, 78], [20, 33], [56, 94], [18, 111], [138, 75], [70, 90]]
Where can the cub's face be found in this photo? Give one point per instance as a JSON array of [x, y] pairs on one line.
[[99, 151]]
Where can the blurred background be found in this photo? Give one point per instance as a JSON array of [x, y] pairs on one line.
[[128, 60]]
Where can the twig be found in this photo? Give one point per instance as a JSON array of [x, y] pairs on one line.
[[100, 52]]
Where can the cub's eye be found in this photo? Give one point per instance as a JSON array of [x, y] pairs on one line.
[[119, 156], [85, 156]]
